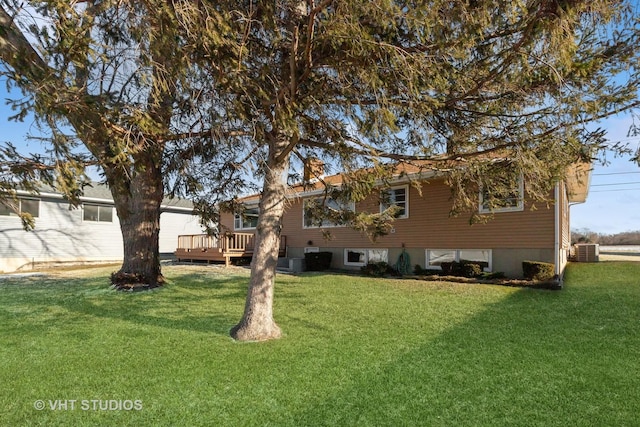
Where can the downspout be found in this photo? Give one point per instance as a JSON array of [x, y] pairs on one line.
[[558, 237]]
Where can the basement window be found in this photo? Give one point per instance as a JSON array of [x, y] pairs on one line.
[[435, 257], [361, 257]]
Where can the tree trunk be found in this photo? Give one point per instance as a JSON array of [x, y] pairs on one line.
[[138, 207], [257, 323]]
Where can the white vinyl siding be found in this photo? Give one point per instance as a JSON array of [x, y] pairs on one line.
[[62, 235], [174, 224]]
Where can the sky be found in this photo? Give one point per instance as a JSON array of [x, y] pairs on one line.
[[613, 203]]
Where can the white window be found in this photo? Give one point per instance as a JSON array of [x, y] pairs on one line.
[[396, 196], [247, 220], [361, 257], [482, 256], [435, 257], [28, 206], [331, 217], [97, 213], [511, 200]]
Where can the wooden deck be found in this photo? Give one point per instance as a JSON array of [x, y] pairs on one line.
[[203, 247]]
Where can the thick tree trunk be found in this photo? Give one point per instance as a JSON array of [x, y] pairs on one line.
[[138, 207], [257, 323]]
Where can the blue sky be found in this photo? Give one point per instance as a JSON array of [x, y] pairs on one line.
[[613, 204]]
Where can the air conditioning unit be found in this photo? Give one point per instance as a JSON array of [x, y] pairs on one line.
[[587, 252]]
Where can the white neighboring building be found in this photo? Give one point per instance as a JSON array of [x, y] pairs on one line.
[[89, 233]]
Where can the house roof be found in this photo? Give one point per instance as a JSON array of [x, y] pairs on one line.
[[99, 193], [578, 179]]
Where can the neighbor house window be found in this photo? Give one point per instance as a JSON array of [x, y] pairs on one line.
[[26, 206], [97, 213], [510, 199], [247, 220], [331, 215], [396, 196], [435, 257], [361, 257]]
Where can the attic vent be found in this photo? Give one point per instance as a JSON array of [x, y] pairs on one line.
[[313, 169], [587, 252]]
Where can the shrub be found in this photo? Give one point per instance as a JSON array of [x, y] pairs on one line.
[[448, 268], [318, 261], [462, 268], [469, 269], [376, 269], [536, 270]]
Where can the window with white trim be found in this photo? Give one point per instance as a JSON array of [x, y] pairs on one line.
[[97, 213], [396, 196], [247, 220], [361, 257], [23, 206], [332, 208], [435, 257], [511, 200]]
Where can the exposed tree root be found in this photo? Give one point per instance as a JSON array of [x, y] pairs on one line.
[[133, 282]]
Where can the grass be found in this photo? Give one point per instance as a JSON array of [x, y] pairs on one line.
[[357, 351]]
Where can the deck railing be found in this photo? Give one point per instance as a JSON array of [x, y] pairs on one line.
[[236, 242]]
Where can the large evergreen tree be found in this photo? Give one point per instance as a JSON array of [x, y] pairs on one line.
[[433, 83], [108, 79]]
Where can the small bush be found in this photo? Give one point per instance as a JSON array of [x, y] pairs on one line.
[[376, 269], [536, 270], [470, 269], [448, 268], [462, 268]]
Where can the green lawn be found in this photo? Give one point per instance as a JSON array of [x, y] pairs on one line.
[[356, 351]]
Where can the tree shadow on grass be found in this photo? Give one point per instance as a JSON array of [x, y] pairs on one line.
[[533, 358], [186, 303]]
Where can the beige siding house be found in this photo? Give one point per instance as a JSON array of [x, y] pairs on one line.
[[522, 230]]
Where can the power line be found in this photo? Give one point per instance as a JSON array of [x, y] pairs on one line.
[[618, 183], [613, 173], [619, 189]]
